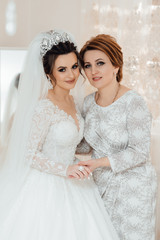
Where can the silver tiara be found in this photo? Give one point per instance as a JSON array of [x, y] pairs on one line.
[[53, 38]]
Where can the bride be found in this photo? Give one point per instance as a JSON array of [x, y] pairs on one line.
[[44, 193]]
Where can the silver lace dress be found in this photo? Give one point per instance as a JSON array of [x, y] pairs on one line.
[[121, 131]]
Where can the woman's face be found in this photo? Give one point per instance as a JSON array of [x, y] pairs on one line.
[[66, 71], [99, 69]]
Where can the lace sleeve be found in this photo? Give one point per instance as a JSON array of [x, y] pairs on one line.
[[139, 134], [43, 117]]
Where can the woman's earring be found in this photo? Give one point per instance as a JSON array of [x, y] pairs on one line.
[[115, 75]]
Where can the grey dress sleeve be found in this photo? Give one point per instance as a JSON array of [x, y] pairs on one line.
[[83, 147], [139, 134]]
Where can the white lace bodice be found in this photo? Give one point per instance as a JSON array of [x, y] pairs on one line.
[[53, 138]]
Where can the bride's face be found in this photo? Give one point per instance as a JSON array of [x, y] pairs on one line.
[[66, 71]]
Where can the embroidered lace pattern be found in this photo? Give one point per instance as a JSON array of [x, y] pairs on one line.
[[51, 133]]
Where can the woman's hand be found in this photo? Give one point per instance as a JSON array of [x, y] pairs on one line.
[[91, 164], [95, 163], [79, 172]]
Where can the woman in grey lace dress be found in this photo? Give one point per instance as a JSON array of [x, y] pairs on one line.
[[117, 127]]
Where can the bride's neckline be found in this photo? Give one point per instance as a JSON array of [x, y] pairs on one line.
[[75, 119]]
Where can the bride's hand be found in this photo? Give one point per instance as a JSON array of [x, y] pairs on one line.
[[79, 172]]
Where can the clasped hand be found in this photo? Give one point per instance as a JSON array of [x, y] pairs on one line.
[[75, 171], [87, 167]]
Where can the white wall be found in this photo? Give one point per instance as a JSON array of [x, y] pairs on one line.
[[34, 16]]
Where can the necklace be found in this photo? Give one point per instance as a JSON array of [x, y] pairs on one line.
[[114, 96], [116, 93]]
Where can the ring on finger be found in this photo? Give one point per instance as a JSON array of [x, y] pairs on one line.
[[81, 168]]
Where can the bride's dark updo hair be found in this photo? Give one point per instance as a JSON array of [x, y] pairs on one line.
[[50, 57]]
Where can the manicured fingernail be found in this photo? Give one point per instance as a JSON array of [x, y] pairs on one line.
[[88, 178], [91, 174]]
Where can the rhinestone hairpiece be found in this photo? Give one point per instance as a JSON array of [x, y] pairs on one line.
[[53, 38]]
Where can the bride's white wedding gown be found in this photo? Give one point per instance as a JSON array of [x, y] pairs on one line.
[[50, 206]]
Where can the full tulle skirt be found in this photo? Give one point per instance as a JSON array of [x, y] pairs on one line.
[[50, 207]]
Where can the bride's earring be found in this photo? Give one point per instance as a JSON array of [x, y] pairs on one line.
[[50, 86]]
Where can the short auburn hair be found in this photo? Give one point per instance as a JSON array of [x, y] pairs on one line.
[[109, 46]]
